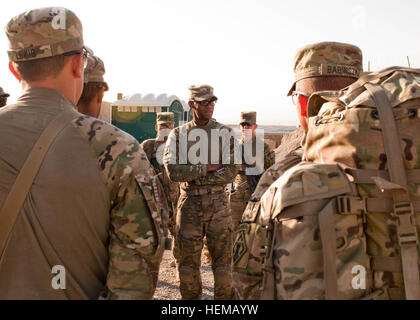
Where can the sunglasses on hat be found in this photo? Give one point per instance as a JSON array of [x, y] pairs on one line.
[[84, 50]]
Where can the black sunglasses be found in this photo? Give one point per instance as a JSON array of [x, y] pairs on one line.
[[205, 103]]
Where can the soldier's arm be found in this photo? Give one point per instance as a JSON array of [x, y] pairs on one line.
[[227, 173], [176, 171], [224, 175], [185, 172], [133, 250], [134, 235]]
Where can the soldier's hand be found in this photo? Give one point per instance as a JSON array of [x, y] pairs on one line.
[[213, 167]]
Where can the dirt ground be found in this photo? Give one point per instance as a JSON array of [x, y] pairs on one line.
[[168, 283]]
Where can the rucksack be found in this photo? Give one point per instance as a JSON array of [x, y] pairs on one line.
[[345, 224]]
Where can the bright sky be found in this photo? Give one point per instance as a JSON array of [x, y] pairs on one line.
[[243, 48]]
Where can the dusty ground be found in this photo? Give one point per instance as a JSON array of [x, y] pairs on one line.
[[168, 283]]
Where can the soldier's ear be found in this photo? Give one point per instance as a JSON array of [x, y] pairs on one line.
[[77, 65], [191, 104], [14, 72]]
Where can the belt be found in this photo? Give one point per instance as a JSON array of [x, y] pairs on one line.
[[203, 190]]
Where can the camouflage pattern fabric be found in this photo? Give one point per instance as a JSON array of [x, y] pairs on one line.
[[198, 216], [298, 250], [42, 33], [348, 119], [196, 175], [325, 59], [136, 233], [293, 157], [204, 214], [165, 118], [249, 117], [357, 191], [94, 71], [247, 261], [150, 147], [201, 92], [242, 191]]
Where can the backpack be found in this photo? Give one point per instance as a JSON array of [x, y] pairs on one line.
[[345, 223]]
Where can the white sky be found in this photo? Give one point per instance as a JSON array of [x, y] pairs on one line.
[[243, 48]]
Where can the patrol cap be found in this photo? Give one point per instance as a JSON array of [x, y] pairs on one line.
[[42, 33], [327, 59], [95, 70], [201, 92], [3, 94], [249, 117], [165, 118]]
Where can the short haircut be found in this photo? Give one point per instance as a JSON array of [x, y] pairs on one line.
[[90, 91], [41, 69]]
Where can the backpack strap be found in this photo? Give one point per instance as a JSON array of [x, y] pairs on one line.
[[326, 220], [403, 206], [268, 286], [27, 174]]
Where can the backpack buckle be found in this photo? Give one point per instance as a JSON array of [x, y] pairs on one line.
[[351, 205], [406, 224]]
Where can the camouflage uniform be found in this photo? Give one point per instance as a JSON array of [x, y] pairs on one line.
[[242, 190], [154, 150], [203, 205], [92, 206], [316, 60]]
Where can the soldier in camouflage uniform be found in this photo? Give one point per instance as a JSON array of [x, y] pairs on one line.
[[203, 204], [244, 185], [154, 149], [319, 66], [3, 97], [345, 223], [91, 207], [94, 87]]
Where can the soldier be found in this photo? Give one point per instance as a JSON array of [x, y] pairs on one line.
[[3, 97], [154, 149], [344, 223], [244, 185], [94, 87], [203, 204], [84, 211], [319, 66]]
